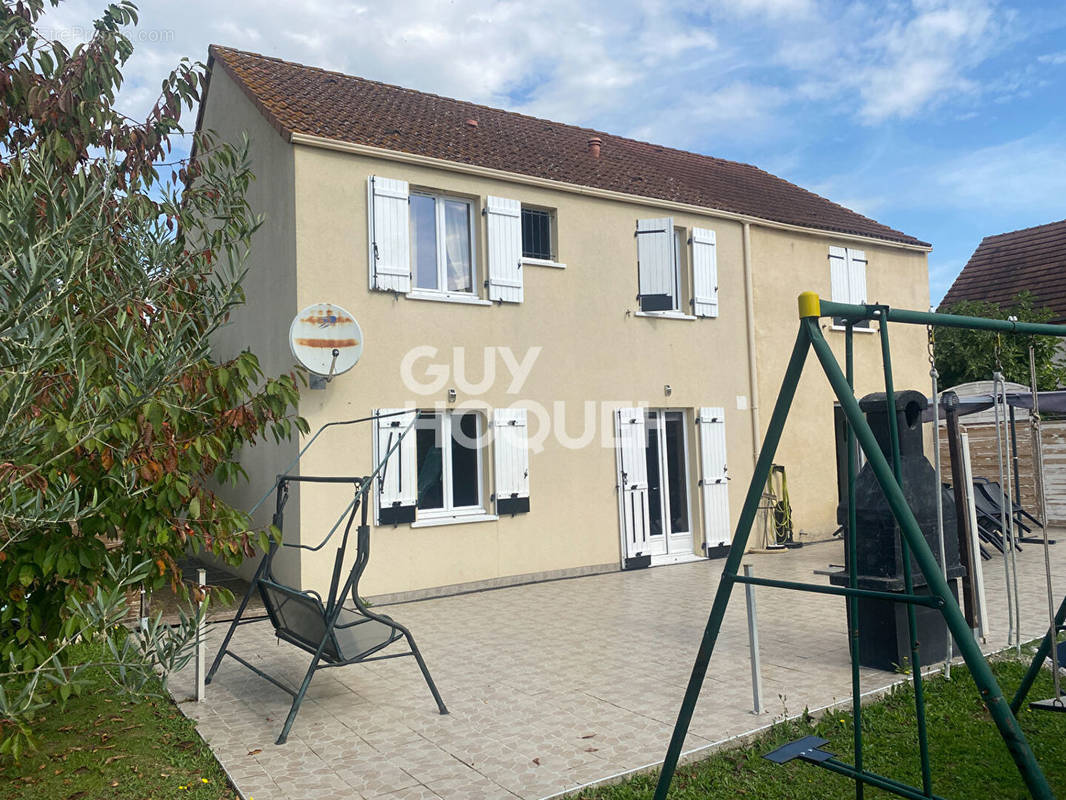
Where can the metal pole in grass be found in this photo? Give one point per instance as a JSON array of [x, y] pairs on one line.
[[753, 644], [934, 376], [853, 569], [987, 686], [732, 563], [908, 578], [1005, 523], [201, 635]]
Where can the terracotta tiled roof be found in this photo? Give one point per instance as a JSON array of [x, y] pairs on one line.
[[1008, 263], [308, 100]]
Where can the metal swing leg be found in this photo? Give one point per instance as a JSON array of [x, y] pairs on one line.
[[298, 698], [425, 670], [263, 564], [1037, 663]]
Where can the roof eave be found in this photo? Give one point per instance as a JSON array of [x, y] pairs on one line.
[[314, 140]]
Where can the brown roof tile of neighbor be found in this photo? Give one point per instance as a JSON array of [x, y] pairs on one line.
[[308, 100], [1031, 259]]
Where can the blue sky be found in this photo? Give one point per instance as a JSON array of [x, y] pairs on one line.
[[943, 118]]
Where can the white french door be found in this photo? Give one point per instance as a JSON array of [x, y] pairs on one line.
[[666, 456], [654, 501]]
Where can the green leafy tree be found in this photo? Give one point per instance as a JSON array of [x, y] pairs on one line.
[[115, 420], [967, 355]]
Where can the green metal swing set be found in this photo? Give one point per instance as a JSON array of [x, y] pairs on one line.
[[809, 337]]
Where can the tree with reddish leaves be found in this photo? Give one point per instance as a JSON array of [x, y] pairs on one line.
[[115, 419]]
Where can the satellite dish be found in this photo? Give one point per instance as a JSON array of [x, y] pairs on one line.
[[326, 340]]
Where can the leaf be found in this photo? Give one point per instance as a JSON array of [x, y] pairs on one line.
[[26, 574], [194, 508]]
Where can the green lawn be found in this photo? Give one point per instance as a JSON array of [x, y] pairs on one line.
[[969, 760], [101, 746]]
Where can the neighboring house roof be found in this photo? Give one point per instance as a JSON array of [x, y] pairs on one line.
[[317, 102], [1032, 259]]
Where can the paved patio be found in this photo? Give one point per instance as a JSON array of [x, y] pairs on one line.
[[550, 686]]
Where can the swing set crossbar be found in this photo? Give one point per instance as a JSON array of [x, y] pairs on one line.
[[912, 541], [842, 591]]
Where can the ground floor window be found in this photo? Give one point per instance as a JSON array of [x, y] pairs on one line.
[[449, 462]]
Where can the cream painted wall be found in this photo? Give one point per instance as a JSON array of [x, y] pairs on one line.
[[594, 350], [786, 264], [262, 323]]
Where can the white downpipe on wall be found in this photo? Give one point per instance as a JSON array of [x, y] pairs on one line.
[[753, 370]]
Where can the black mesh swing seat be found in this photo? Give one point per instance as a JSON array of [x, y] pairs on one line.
[[334, 633], [299, 618]]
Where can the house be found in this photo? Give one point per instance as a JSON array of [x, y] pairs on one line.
[[618, 314], [1002, 266]]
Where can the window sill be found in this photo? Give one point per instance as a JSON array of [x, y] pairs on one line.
[[430, 522], [444, 297], [541, 262], [663, 315]]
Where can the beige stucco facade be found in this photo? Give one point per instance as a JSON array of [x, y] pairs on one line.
[[785, 265], [591, 353]]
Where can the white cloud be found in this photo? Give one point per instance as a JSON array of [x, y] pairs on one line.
[[768, 8], [1053, 58], [925, 58], [630, 66], [1024, 175]]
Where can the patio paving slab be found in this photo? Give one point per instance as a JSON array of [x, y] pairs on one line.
[[550, 686]]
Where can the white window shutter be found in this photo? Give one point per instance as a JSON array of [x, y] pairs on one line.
[[390, 235], [504, 222], [857, 276], [397, 484], [838, 275], [511, 442], [630, 428], [704, 273], [714, 484], [655, 263]]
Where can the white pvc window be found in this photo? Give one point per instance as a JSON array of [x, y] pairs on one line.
[[847, 275], [449, 456], [442, 244], [679, 254]]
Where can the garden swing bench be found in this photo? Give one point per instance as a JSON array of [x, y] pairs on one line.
[[334, 634]]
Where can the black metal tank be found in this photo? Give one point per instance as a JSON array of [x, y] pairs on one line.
[[883, 634]]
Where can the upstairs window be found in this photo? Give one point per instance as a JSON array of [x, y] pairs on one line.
[[536, 234], [442, 249], [658, 253], [847, 274]]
